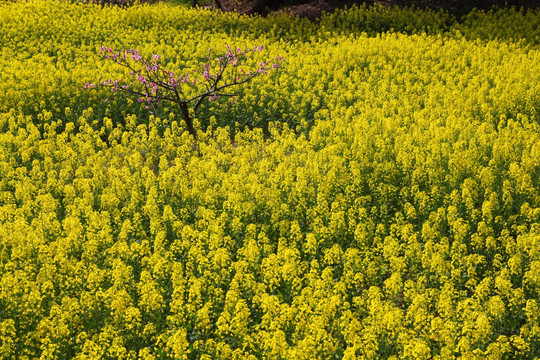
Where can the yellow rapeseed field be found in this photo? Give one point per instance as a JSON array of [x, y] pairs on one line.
[[377, 197]]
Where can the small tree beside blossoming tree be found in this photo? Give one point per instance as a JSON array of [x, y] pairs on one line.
[[153, 84]]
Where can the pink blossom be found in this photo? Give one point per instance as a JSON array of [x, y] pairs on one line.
[[184, 79]]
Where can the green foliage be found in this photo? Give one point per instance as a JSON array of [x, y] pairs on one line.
[[378, 198]]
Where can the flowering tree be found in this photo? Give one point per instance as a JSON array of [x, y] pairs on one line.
[[213, 80]]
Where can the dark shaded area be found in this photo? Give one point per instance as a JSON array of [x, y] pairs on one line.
[[314, 8]]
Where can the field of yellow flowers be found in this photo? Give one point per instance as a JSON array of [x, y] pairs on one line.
[[377, 197]]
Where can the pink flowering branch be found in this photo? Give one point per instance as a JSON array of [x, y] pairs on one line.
[[154, 84]]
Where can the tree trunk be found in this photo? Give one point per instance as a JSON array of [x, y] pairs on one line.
[[218, 4], [188, 119]]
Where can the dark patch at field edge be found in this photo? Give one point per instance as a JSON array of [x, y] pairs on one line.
[[314, 9]]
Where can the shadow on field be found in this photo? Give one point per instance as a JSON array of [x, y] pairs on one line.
[[496, 23]]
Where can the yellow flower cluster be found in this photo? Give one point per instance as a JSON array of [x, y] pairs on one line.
[[378, 197]]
